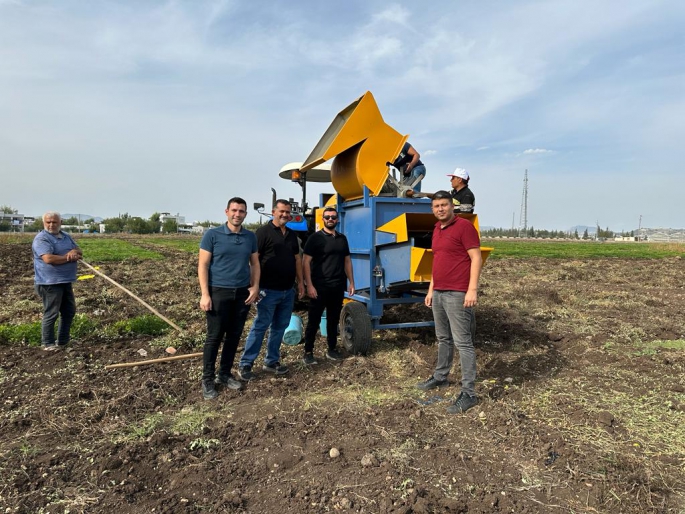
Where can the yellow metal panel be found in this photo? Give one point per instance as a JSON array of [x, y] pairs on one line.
[[421, 265], [485, 252], [397, 226]]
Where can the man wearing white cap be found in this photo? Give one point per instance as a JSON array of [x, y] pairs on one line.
[[462, 197]]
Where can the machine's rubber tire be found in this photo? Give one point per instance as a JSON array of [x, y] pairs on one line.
[[355, 328]]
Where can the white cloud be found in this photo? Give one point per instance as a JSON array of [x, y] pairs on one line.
[[537, 151], [429, 152]]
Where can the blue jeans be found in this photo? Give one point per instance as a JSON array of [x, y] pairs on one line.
[[58, 300], [454, 326], [415, 172], [224, 322], [273, 311]]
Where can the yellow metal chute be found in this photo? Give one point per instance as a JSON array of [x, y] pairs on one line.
[[361, 143]]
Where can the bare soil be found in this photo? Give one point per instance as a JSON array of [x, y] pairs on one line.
[[581, 411]]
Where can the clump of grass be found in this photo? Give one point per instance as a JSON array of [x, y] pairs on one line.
[[146, 324], [82, 326], [189, 421]]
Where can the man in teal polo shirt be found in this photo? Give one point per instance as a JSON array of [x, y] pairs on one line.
[[228, 271], [55, 257]]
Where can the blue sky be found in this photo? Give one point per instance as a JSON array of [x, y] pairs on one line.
[[143, 106]]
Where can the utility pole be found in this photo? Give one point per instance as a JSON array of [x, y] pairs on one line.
[[523, 222]]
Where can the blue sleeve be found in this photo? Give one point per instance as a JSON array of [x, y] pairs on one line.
[[42, 246], [207, 242]]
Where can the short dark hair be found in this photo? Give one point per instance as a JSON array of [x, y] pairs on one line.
[[330, 209], [441, 195], [236, 199], [284, 202]]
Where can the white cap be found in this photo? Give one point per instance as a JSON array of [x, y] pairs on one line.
[[460, 173]]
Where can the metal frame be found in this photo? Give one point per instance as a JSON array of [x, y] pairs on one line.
[[376, 299]]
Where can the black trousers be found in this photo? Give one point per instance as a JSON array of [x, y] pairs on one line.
[[225, 321], [331, 300]]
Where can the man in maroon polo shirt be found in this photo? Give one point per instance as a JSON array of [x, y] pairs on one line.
[[452, 295]]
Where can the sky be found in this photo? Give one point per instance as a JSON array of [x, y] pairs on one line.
[[175, 106]]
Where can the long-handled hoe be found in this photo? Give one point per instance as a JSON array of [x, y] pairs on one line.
[[155, 312]]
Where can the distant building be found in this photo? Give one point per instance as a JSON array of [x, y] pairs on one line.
[[15, 221], [164, 216]]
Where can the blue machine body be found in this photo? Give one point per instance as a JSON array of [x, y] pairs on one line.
[[381, 265]]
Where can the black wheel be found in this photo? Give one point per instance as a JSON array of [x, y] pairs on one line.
[[355, 328]]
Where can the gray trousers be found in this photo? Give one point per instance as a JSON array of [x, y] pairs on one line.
[[454, 326], [58, 301]]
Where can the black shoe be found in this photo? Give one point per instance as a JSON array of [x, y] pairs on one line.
[[334, 355], [276, 368], [309, 359], [245, 373], [463, 403], [431, 383], [208, 390], [228, 382]]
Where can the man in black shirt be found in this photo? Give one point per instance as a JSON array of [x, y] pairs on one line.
[[280, 263], [327, 269], [409, 163], [462, 197]]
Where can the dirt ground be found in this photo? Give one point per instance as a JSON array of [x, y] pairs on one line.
[[582, 404]]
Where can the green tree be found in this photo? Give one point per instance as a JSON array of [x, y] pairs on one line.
[[169, 226], [7, 209], [36, 226], [575, 234], [70, 221], [114, 225], [586, 236], [153, 224], [138, 225]]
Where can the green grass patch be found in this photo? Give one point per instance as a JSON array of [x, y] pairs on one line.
[[31, 333], [101, 249], [190, 244], [22, 333], [675, 344], [582, 250], [146, 324]]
